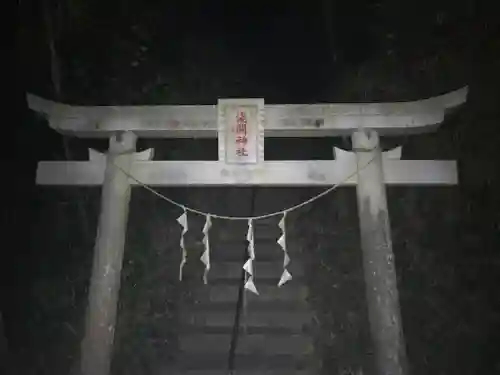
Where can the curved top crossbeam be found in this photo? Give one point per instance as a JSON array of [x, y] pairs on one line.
[[290, 120]]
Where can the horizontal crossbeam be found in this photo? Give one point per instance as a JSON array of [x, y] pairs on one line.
[[270, 173], [290, 120]]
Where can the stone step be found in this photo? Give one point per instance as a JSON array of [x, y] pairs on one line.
[[262, 231], [258, 371], [298, 344], [259, 282], [245, 362], [264, 270], [187, 361], [276, 307], [268, 232], [295, 320], [244, 329], [234, 251], [267, 293]]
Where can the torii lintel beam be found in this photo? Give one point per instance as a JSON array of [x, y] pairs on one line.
[[290, 120], [269, 173]]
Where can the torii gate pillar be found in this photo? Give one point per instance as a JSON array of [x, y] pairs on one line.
[[378, 258], [108, 255]]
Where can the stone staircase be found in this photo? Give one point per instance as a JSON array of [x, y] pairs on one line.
[[275, 336]]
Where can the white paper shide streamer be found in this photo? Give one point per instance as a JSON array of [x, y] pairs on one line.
[[248, 266], [182, 220], [205, 257], [286, 276]]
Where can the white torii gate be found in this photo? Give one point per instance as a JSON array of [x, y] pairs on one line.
[[242, 167]]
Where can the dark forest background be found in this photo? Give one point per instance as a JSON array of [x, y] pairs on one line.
[[446, 239]]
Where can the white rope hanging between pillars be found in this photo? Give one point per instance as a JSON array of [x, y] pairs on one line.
[[205, 257], [183, 221], [286, 276], [248, 266]]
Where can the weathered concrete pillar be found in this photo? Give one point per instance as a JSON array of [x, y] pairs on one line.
[[97, 345], [378, 258]]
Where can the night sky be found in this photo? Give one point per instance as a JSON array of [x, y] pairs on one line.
[[193, 52]]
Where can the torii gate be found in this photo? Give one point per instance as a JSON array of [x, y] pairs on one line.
[[241, 163]]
